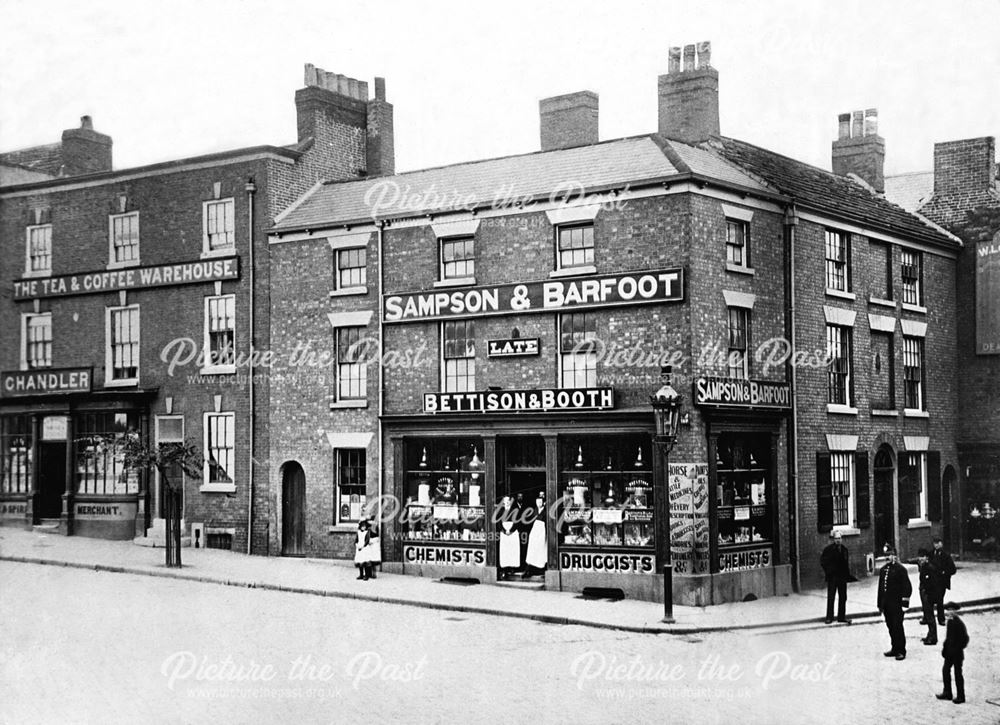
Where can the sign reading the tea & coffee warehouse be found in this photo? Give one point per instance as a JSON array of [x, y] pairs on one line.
[[608, 290], [164, 275], [518, 347], [39, 382], [510, 401], [742, 393]]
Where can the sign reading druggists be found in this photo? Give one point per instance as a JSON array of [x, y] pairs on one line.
[[632, 288]]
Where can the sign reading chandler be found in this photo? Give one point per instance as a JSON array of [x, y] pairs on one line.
[[632, 288], [38, 382], [742, 393], [510, 401]]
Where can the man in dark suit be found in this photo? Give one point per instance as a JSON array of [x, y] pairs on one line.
[[931, 589], [945, 565], [955, 641], [837, 569], [894, 590]]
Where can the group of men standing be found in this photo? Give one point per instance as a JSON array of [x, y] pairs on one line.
[[936, 568]]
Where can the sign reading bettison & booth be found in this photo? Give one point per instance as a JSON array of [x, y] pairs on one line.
[[15, 383], [517, 401], [608, 290], [988, 297], [517, 347], [726, 392], [443, 555], [163, 275]]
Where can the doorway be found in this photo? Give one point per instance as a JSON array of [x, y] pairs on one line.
[[51, 479], [293, 507], [884, 479], [522, 482]]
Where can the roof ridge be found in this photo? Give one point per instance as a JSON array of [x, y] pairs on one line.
[[908, 173]]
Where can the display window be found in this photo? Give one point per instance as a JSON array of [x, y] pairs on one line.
[[444, 488], [744, 498], [15, 453]]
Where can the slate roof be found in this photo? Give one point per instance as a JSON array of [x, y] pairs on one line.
[[911, 191], [45, 159]]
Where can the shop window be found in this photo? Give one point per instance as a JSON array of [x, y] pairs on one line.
[[459, 356], [577, 350], [912, 487], [458, 259], [100, 456], [913, 373], [882, 271], [912, 271], [882, 389], [838, 261], [123, 345], [739, 343], [575, 246], [220, 334], [124, 240], [36, 335], [352, 269], [15, 453], [220, 451], [219, 227], [38, 262], [351, 488], [605, 483], [744, 489], [840, 383], [737, 243], [443, 488]]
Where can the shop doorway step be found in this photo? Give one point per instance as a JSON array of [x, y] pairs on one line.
[[46, 525], [521, 582]]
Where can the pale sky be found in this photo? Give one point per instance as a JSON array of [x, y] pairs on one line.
[[180, 78]]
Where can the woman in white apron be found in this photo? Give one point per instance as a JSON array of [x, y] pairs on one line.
[[510, 540], [537, 556]]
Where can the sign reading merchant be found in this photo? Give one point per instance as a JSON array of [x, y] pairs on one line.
[[988, 297], [624, 563], [631, 288], [164, 275], [742, 393], [518, 347], [446, 555], [744, 560], [38, 382], [517, 401]]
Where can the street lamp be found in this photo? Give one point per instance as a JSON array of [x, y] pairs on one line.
[[667, 414]]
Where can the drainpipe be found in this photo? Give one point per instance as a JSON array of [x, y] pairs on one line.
[[381, 376], [791, 220], [251, 188]]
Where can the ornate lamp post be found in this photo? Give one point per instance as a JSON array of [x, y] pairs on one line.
[[667, 413]]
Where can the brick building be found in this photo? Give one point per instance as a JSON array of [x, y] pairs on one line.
[[494, 331], [134, 303]]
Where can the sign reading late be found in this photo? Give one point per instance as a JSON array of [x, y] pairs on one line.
[[607, 290], [446, 555], [509, 401], [742, 393], [519, 347], [744, 560], [37, 382], [988, 297], [618, 563], [164, 275]]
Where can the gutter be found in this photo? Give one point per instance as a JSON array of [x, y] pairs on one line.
[[251, 188], [381, 375], [791, 220]]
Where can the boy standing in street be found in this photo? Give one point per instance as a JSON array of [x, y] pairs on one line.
[[955, 641]]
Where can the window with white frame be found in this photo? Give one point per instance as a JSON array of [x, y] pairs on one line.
[[842, 484], [913, 372], [99, 440], [351, 490], [123, 344], [220, 333], [458, 352], [577, 350], [37, 341], [220, 450], [737, 242], [352, 270], [219, 226], [458, 260], [913, 486], [841, 365], [352, 372], [124, 239], [38, 261], [169, 432], [911, 269], [739, 343], [575, 246], [838, 261]]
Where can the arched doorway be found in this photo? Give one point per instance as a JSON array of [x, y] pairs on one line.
[[884, 477], [293, 510], [949, 487]]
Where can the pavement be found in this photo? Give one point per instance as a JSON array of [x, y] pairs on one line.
[[976, 587]]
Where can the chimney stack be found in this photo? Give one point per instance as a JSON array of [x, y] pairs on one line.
[[964, 167], [568, 121], [84, 150], [380, 149], [689, 96], [859, 149]]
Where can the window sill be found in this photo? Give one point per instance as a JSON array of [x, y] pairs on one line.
[[37, 274], [214, 253], [123, 265], [131, 382], [349, 291], [880, 301], [918, 524], [340, 404], [911, 413], [877, 413], [907, 307], [840, 294], [730, 267], [219, 370], [342, 529], [456, 282], [846, 531], [218, 488], [573, 271], [841, 409]]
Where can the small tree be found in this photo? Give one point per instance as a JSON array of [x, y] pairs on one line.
[[170, 459]]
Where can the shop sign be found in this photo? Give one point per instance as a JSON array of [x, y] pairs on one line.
[[608, 290], [511, 401], [988, 297], [104, 511], [20, 383], [55, 428], [744, 560], [443, 555], [726, 392], [13, 509], [618, 563], [517, 347], [163, 275]]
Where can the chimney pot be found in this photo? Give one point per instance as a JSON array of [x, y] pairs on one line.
[[87, 122], [857, 124], [859, 150], [379, 89], [844, 126], [871, 122], [689, 99], [569, 120], [689, 58], [705, 54], [674, 60]]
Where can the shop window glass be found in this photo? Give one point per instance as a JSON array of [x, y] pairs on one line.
[[744, 489], [100, 457], [351, 488], [444, 488], [15, 453]]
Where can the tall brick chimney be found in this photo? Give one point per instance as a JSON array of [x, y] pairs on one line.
[[380, 149], [689, 96], [964, 167], [569, 120], [329, 97], [84, 150], [859, 149]]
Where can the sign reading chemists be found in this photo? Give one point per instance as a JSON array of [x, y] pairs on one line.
[[608, 290], [508, 401], [164, 275]]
